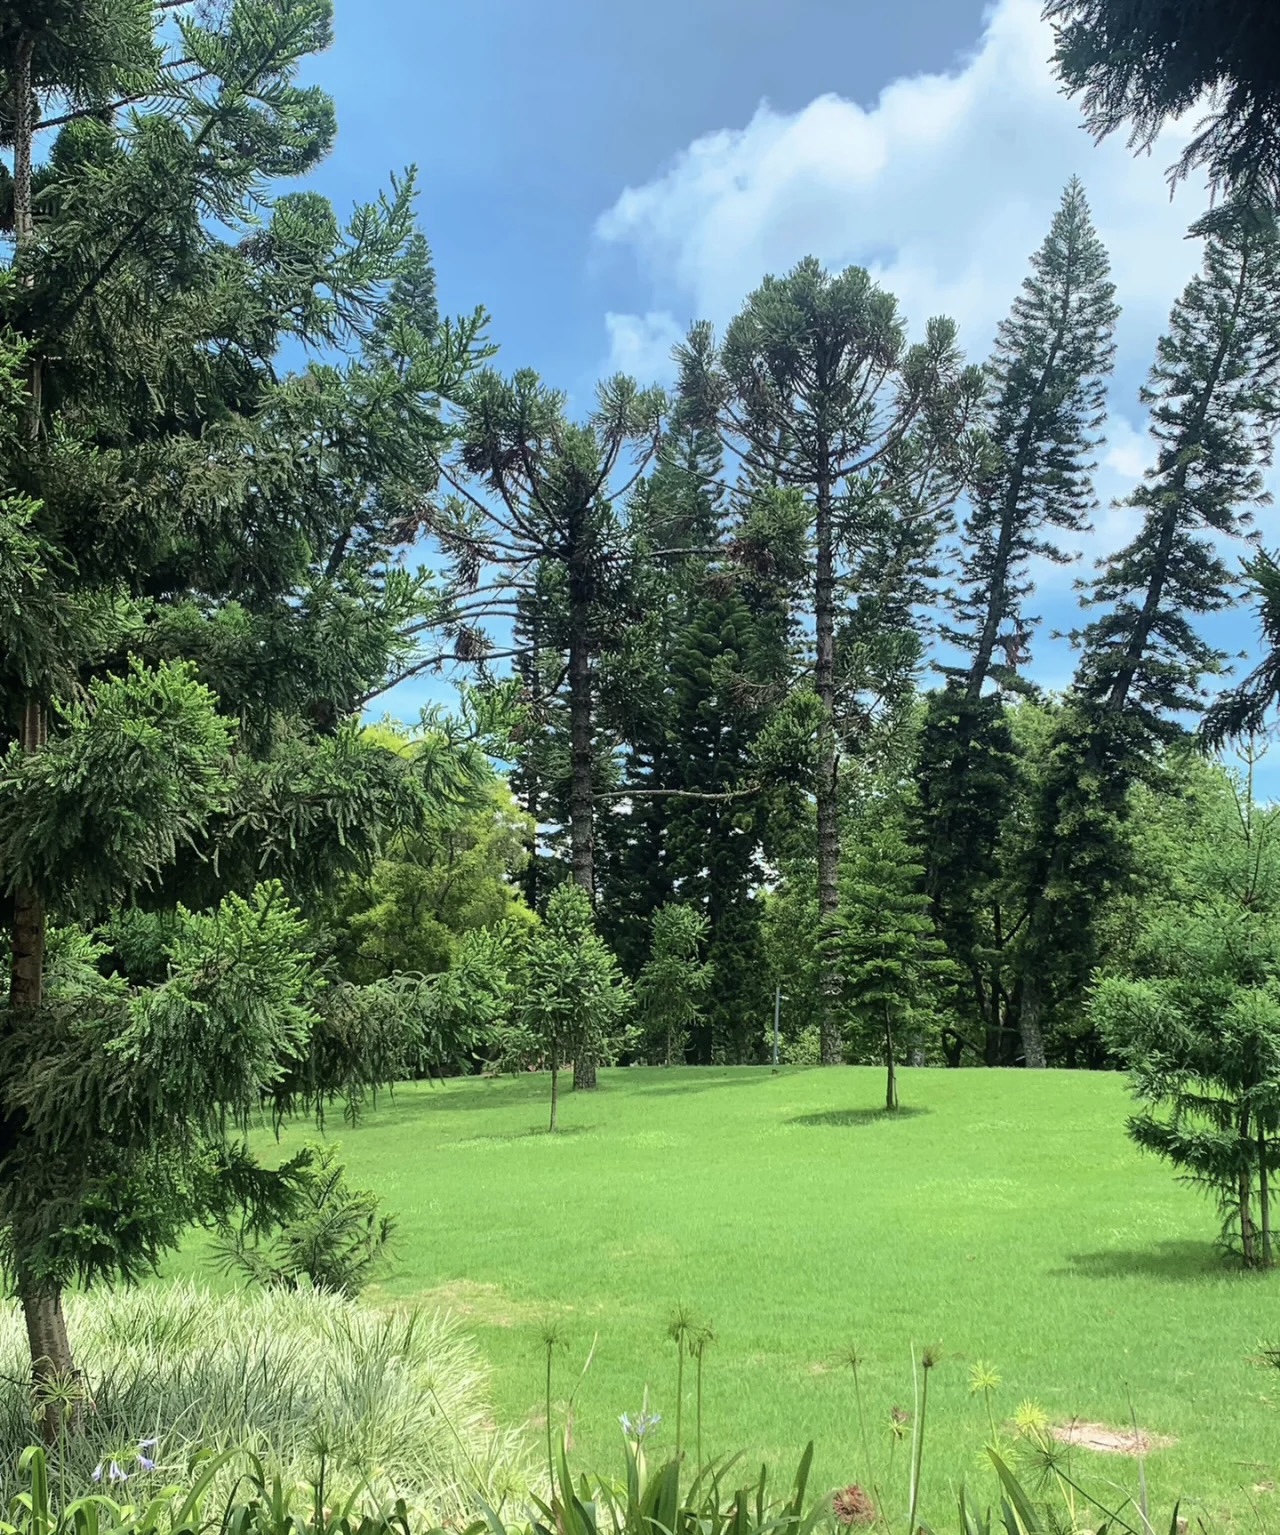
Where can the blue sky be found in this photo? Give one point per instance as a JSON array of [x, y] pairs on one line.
[[597, 175]]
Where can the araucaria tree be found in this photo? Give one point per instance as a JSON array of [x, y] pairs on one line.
[[1214, 398], [575, 999], [1033, 485], [889, 953], [199, 590], [673, 983], [1140, 63], [536, 534], [817, 388], [1195, 1013]]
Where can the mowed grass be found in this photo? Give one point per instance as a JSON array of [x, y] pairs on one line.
[[1002, 1217]]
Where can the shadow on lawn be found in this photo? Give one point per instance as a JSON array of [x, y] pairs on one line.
[[848, 1118], [1175, 1261], [535, 1132]]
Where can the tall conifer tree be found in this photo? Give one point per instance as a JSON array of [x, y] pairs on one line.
[[1214, 399], [1047, 382], [205, 592], [817, 388]]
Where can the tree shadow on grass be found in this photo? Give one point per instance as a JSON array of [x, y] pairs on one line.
[[850, 1118], [535, 1132], [686, 1082], [1174, 1261]]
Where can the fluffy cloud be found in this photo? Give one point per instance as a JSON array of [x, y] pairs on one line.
[[641, 344], [943, 188]]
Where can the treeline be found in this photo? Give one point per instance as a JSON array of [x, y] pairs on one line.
[[698, 629], [773, 639]]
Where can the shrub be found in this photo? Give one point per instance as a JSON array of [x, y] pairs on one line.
[[336, 1240], [394, 1405]]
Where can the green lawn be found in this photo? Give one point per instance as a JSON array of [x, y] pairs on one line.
[[1002, 1216]]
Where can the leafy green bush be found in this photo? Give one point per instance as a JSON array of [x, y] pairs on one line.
[[337, 1240], [803, 1048], [395, 1406]]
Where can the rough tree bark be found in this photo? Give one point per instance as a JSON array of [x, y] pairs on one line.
[[51, 1358], [582, 776], [826, 792]]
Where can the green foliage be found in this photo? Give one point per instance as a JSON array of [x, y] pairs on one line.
[[887, 949], [434, 887], [671, 987], [129, 1097], [1213, 394], [1196, 1016], [1034, 473], [201, 591], [573, 998], [335, 1239], [817, 382], [309, 1389], [1140, 63], [132, 772]]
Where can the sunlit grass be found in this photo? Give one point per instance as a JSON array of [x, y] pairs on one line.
[[1005, 1221]]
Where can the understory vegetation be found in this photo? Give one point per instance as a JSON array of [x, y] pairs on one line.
[[749, 757]]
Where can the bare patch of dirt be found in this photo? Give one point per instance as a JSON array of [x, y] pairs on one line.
[[1109, 1441]]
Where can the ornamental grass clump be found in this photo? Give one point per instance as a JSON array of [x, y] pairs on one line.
[[393, 1406]]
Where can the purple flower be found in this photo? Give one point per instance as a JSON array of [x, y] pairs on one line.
[[641, 1426], [116, 1472]]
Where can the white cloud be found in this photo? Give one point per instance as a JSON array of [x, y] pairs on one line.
[[640, 345], [943, 188], [1128, 453]]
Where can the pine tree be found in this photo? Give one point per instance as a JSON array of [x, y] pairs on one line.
[[1214, 395], [1143, 63], [1047, 380], [206, 592], [672, 983], [1048, 377], [1194, 1011], [546, 523], [816, 383], [686, 690], [574, 998], [887, 946]]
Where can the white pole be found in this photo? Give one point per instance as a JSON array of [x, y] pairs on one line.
[[777, 1016]]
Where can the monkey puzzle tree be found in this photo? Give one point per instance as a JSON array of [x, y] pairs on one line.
[[542, 539], [817, 388]]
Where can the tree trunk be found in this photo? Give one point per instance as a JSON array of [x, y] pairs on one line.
[[891, 1070], [581, 782], [1030, 1026], [52, 1364], [828, 771], [555, 1098], [23, 134], [53, 1373], [1248, 1246]]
